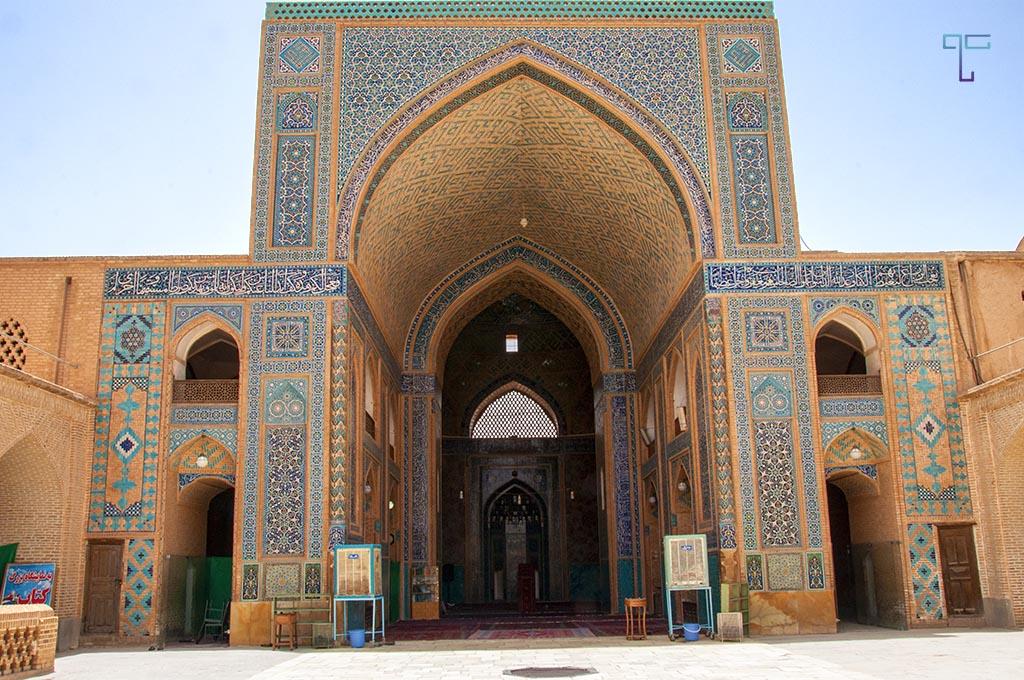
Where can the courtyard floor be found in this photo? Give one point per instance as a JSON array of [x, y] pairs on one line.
[[858, 652]]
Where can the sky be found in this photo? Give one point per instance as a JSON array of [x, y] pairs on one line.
[[129, 126]]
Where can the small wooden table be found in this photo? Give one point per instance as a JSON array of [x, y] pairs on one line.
[[636, 618], [286, 622]]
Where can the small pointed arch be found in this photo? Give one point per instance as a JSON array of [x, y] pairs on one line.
[[680, 399], [371, 389], [203, 458], [510, 500], [855, 446], [513, 410], [846, 344], [392, 442], [649, 430], [206, 349]]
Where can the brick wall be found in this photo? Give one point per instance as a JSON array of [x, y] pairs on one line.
[[28, 639]]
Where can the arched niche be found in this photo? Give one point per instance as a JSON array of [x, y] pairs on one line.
[[206, 351]]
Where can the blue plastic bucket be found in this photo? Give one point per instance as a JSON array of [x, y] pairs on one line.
[[357, 638], [691, 631]]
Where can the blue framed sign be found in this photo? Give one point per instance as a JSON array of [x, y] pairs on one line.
[[28, 583]]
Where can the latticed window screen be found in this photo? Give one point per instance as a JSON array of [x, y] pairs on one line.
[[12, 347], [514, 414]]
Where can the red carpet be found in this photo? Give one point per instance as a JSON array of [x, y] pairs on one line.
[[531, 634]]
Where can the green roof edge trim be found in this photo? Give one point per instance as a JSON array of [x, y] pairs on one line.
[[525, 9]]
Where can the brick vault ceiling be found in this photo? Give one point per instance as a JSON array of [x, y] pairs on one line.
[[521, 150]]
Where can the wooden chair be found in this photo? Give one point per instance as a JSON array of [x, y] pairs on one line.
[[286, 622]]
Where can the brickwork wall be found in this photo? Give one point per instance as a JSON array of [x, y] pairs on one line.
[[45, 445], [993, 417], [28, 639]]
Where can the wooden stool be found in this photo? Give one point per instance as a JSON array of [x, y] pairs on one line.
[[636, 618], [286, 621]]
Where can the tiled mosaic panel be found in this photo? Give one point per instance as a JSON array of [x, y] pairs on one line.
[[224, 282], [865, 304], [924, 571], [720, 417], [313, 578], [801, 445], [822, 277], [285, 402], [136, 618], [513, 9], [745, 55], [417, 446], [627, 506], [250, 582], [284, 496], [776, 484], [785, 571], [755, 572], [704, 458], [125, 455], [282, 580], [287, 337], [755, 212], [181, 314], [851, 407], [296, 96], [565, 275], [385, 68], [220, 460], [771, 395], [747, 112], [339, 416], [204, 415], [815, 571], [294, 191], [934, 464], [839, 449], [766, 331], [179, 436]]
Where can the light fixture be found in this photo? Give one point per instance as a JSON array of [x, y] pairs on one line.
[[572, 495], [391, 505], [681, 417], [856, 453], [202, 460], [681, 486], [652, 499], [367, 488], [461, 495]]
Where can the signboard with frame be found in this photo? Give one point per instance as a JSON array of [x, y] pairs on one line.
[[28, 584]]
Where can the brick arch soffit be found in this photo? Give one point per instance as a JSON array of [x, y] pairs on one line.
[[30, 445], [863, 326], [193, 331], [525, 58], [876, 450], [501, 386], [426, 348], [222, 462]]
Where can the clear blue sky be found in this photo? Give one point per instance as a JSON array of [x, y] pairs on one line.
[[129, 125]]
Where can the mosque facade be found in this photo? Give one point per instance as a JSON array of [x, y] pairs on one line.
[[525, 286]]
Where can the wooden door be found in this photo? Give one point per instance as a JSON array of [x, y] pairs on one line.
[[103, 587], [960, 571]]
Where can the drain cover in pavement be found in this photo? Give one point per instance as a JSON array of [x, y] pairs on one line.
[[550, 672]]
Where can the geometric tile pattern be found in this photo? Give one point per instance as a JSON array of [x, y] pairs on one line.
[[204, 415], [250, 582], [785, 439], [865, 304], [285, 400], [755, 213], [136, 618], [313, 579], [290, 394], [125, 456], [924, 571], [512, 9], [290, 222], [385, 68], [742, 55], [287, 337], [282, 580], [298, 54], [339, 417], [934, 465], [284, 497], [776, 484], [785, 571], [792, 277], [839, 449], [296, 111], [181, 314], [720, 418], [755, 571], [815, 571], [771, 395], [704, 457], [766, 331], [851, 407], [224, 282], [746, 56], [228, 436], [293, 192], [747, 112]]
